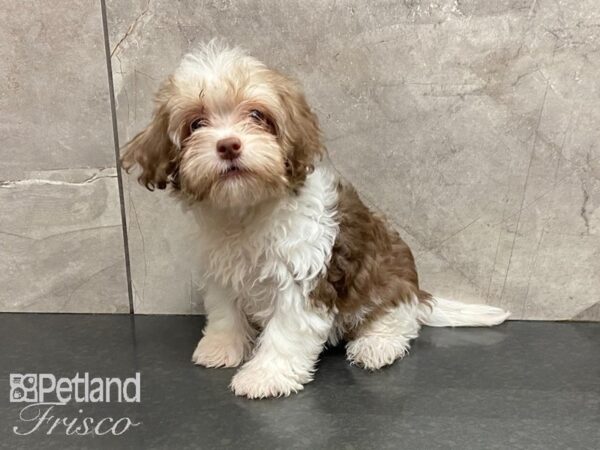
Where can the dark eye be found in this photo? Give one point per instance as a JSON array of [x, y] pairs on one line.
[[257, 115], [198, 123]]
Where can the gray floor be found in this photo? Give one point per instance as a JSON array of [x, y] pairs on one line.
[[521, 385]]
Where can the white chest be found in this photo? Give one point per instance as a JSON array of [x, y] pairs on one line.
[[272, 249]]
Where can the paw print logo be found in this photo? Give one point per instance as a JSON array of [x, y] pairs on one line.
[[23, 388]]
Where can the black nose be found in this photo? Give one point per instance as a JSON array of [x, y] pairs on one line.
[[229, 148]]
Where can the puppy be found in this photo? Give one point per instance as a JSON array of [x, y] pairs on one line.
[[292, 258]]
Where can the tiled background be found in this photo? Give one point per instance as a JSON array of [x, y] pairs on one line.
[[475, 125], [61, 241]]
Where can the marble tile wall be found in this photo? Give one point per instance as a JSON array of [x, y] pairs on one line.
[[61, 241], [473, 125]]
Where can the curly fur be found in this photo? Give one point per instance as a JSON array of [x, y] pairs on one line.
[[292, 258]]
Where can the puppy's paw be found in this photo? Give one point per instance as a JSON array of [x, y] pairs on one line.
[[375, 352], [219, 350], [260, 382]]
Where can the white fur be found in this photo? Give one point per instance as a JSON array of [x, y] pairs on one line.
[[263, 252], [448, 313], [212, 62], [287, 349], [387, 338], [262, 263], [227, 336]]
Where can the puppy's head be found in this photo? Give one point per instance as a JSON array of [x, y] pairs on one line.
[[227, 130]]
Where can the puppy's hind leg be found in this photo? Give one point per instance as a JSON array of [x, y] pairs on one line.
[[385, 339]]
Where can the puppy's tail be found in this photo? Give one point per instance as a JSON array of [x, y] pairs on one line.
[[447, 313]]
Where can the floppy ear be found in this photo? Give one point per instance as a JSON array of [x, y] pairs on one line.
[[301, 133], [152, 149]]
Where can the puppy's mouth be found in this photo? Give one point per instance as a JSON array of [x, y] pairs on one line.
[[234, 171]]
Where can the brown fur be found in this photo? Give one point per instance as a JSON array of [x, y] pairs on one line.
[[302, 136], [289, 122], [368, 293], [151, 149], [371, 270]]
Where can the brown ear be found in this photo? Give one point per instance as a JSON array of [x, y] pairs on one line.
[[152, 149], [301, 132]]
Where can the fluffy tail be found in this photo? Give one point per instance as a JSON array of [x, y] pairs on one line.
[[448, 313]]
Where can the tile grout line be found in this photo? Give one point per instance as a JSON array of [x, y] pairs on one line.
[[113, 111]]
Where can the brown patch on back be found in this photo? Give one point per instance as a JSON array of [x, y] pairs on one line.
[[372, 269]]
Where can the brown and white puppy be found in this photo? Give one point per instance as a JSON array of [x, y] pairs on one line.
[[292, 258]]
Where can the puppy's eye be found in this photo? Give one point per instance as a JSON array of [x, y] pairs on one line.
[[198, 123], [257, 115]]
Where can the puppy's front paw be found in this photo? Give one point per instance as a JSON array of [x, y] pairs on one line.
[[219, 350], [260, 382]]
